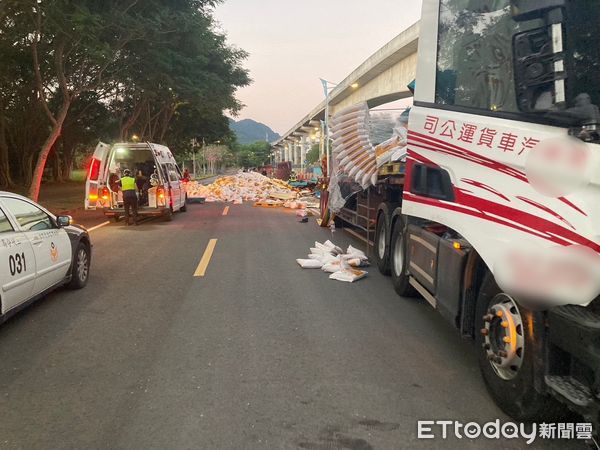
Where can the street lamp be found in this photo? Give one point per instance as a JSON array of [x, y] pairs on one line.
[[326, 90], [194, 143]]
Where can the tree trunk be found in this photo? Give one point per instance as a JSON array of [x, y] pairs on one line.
[[27, 167], [38, 172], [5, 176], [68, 156], [164, 126], [56, 172], [125, 127]]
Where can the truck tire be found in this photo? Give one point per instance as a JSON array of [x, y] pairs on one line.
[[382, 249], [398, 261], [168, 215], [508, 367]]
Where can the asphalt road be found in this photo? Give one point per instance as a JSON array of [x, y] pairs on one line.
[[258, 353]]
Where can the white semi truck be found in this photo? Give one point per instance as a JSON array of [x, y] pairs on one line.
[[501, 189]]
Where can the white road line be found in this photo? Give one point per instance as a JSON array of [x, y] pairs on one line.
[[226, 211], [98, 226]]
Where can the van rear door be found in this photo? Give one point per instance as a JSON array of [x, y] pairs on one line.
[[173, 184], [95, 175]]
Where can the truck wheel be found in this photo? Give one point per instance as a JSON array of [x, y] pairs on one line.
[[117, 218], [382, 250], [505, 336], [398, 261], [80, 267], [168, 215]]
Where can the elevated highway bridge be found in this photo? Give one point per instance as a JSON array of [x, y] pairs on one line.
[[379, 80]]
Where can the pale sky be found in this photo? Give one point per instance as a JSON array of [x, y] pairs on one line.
[[294, 43]]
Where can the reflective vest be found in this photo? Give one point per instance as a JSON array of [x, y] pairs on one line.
[[128, 184]]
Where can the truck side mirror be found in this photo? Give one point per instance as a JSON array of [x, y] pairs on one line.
[[531, 9], [539, 64]]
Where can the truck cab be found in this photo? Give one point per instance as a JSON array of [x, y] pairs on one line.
[[160, 185]]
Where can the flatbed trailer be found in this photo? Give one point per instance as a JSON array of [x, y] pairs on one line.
[[361, 209]]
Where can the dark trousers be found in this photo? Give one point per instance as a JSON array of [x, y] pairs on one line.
[[130, 201]]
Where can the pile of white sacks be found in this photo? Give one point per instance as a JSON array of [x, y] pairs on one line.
[[331, 259], [243, 186], [354, 153]]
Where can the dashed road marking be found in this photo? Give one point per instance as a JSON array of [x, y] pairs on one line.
[[203, 265], [226, 211]]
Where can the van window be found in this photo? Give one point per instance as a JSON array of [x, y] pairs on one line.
[[173, 176], [178, 171], [137, 160]]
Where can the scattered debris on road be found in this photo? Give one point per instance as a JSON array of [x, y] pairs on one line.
[[265, 192], [243, 186]]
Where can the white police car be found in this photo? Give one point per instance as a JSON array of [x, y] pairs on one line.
[[38, 253]]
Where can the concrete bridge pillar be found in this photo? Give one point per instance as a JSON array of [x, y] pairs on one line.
[[299, 154], [304, 144]]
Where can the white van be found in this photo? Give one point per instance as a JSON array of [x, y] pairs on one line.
[[161, 190]]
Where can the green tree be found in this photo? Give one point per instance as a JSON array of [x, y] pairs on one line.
[[313, 154], [74, 49], [253, 155], [182, 69], [157, 67]]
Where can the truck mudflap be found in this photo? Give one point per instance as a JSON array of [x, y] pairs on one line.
[[574, 358]]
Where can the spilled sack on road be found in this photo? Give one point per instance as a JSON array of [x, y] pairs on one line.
[[331, 259]]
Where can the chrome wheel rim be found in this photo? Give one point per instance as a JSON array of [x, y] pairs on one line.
[[381, 242], [504, 340], [398, 257], [82, 264]]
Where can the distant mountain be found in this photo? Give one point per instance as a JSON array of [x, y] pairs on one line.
[[249, 131]]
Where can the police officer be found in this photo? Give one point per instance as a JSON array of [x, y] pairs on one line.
[[130, 200]]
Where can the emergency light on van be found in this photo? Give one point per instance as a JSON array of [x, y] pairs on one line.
[[94, 169], [160, 194]]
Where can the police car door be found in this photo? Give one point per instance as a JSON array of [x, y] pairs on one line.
[[17, 265], [51, 245]]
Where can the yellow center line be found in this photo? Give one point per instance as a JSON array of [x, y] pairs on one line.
[[210, 248], [226, 210]]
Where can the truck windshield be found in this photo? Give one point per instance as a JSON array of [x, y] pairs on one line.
[[479, 65], [583, 60]]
